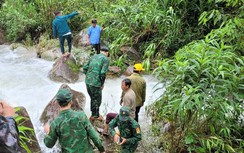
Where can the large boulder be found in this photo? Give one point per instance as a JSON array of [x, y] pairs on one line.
[[33, 144], [113, 71], [64, 70], [132, 55], [51, 55], [129, 70], [80, 39], [81, 55], [22, 51], [52, 109]]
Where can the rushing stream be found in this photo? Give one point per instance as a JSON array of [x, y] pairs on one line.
[[24, 82]]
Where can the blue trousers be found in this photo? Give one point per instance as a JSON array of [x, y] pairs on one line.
[[69, 40]]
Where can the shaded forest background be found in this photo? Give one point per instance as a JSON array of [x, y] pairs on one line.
[[195, 48]]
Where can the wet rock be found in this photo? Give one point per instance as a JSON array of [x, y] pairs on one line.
[[51, 54], [129, 70], [63, 70], [113, 71], [19, 49], [33, 145], [52, 109], [22, 51]]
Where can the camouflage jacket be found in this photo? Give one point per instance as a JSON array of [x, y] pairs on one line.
[[9, 135], [96, 70], [74, 131], [129, 129], [138, 85]]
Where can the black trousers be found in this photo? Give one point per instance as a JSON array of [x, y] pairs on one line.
[[137, 112], [69, 40], [96, 47]]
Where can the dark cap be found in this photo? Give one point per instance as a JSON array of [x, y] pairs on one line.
[[93, 21], [64, 96], [124, 113], [104, 49], [56, 12]]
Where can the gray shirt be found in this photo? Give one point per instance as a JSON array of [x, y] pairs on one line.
[[129, 100]]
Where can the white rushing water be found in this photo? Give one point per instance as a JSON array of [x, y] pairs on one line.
[[24, 82]]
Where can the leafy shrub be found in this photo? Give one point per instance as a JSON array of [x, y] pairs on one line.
[[18, 18], [204, 96]]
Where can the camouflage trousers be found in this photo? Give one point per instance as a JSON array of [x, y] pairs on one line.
[[95, 94], [128, 148]]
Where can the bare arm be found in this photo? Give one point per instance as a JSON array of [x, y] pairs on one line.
[[6, 110], [87, 40]]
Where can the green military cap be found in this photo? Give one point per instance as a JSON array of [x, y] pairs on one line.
[[64, 96], [104, 49], [124, 113]]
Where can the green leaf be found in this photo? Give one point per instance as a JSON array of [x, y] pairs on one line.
[[189, 139]]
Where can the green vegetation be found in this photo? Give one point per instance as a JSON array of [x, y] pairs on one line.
[[204, 81], [25, 133], [195, 47], [17, 20]]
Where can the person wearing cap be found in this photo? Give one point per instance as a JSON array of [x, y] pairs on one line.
[[138, 85], [95, 70], [94, 35], [129, 133], [62, 31], [128, 99], [9, 133], [71, 128]]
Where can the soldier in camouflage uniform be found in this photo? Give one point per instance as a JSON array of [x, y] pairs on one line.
[[129, 131], [95, 71], [9, 134], [72, 128]]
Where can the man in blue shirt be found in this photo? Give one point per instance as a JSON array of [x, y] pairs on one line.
[[93, 36], [62, 30]]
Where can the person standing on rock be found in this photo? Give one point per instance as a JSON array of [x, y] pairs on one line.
[[9, 133], [138, 85], [94, 35], [129, 133], [71, 128], [61, 29], [95, 71]]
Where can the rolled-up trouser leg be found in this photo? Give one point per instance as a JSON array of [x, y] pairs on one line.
[[95, 94], [110, 116]]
